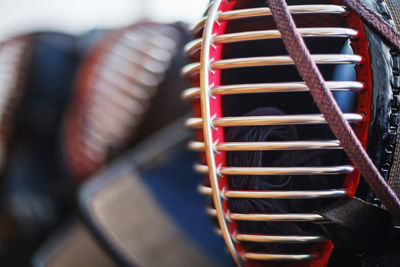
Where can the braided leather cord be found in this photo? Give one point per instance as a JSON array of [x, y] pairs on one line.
[[323, 97]]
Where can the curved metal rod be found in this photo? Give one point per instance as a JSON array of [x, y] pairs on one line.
[[278, 238], [279, 217], [303, 194], [190, 69], [198, 26], [268, 145], [285, 87], [190, 93], [246, 62], [277, 170], [264, 11], [333, 193], [208, 130], [278, 257], [282, 60], [204, 190], [192, 46], [274, 34], [325, 32], [270, 120], [275, 238]]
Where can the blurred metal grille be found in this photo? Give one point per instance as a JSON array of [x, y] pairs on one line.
[[116, 84]]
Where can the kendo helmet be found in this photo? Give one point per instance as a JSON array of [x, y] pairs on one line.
[[273, 168]]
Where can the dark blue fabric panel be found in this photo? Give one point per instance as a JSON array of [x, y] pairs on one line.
[[173, 184]]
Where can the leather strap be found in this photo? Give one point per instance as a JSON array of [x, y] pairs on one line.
[[363, 234]]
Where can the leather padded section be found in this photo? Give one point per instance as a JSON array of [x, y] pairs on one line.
[[383, 116], [363, 234], [74, 247], [134, 224], [357, 224]]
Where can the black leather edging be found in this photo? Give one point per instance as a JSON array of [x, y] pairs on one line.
[[385, 104]]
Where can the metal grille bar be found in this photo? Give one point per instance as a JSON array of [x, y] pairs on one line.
[[246, 62], [333, 193], [195, 45], [283, 217], [278, 238], [264, 11], [286, 145], [277, 170], [269, 120], [278, 257], [285, 87]]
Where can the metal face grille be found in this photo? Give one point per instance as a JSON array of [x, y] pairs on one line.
[[114, 90], [206, 97]]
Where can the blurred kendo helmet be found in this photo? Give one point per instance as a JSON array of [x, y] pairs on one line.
[[113, 91], [121, 74], [281, 188]]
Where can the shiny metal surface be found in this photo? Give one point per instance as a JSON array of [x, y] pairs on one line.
[[286, 87], [332, 193], [268, 145], [281, 217], [264, 11], [234, 63], [282, 60], [192, 46], [278, 238], [277, 170], [273, 34], [204, 190], [190, 93], [195, 45], [270, 120], [190, 69], [286, 194], [277, 257]]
